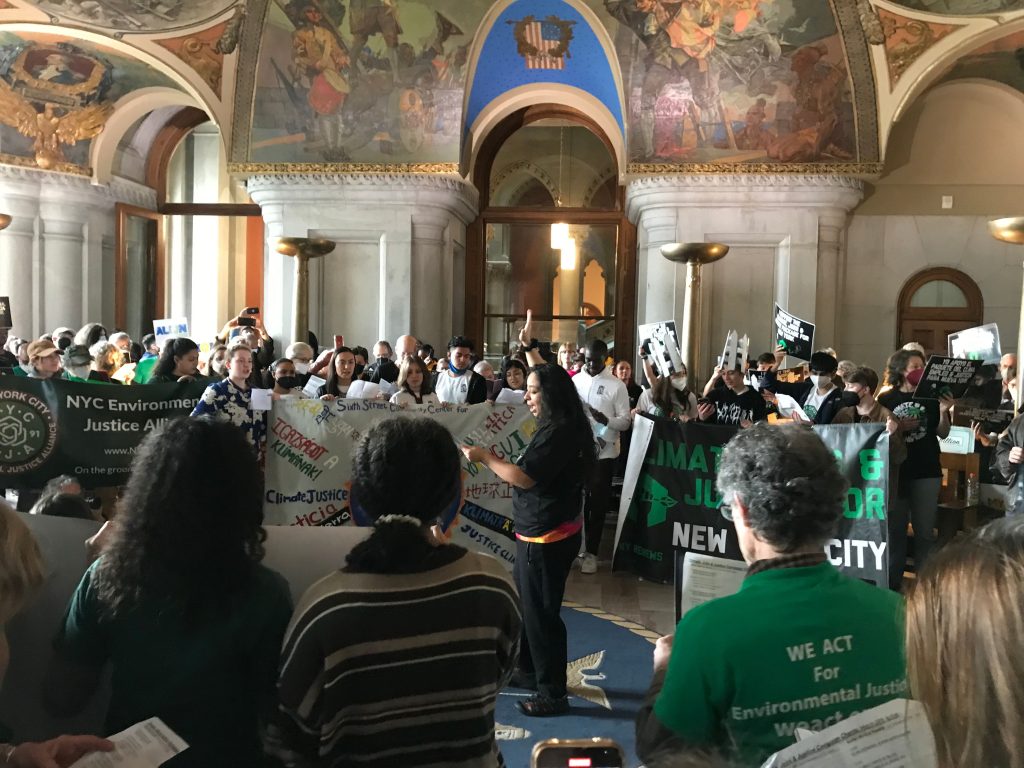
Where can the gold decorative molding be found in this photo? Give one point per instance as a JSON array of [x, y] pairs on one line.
[[266, 169], [674, 169], [60, 167]]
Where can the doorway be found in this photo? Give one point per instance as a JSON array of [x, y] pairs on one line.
[[935, 303]]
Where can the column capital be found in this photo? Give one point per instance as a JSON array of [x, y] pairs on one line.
[[742, 189], [79, 190], [449, 192]]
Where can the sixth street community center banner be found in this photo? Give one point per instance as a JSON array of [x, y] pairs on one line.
[[670, 501]]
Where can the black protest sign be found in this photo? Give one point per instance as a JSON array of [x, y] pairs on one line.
[[56, 427], [794, 334], [980, 343], [6, 320], [674, 502], [946, 377]]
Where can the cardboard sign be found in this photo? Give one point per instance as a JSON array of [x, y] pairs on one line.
[[946, 377], [169, 328], [979, 343], [663, 346], [796, 335], [735, 352], [6, 321]]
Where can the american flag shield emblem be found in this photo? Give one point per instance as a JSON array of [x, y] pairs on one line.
[[545, 37]]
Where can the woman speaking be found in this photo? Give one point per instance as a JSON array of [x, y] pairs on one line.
[[547, 499]]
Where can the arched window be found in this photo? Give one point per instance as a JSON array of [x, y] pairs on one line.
[[935, 303], [545, 170]]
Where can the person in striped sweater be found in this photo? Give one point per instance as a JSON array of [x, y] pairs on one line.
[[397, 658]]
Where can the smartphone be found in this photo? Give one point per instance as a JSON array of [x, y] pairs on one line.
[[339, 340], [703, 401], [246, 321], [577, 753], [251, 311]]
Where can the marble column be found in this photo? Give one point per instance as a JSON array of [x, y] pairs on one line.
[[400, 240], [795, 220]]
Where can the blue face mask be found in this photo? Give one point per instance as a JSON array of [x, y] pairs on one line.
[[457, 371]]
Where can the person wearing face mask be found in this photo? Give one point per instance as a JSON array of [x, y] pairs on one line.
[[734, 403], [1008, 375], [301, 354], [287, 384], [90, 333], [382, 368], [459, 383], [817, 394], [606, 402], [922, 422], [76, 363], [859, 406], [24, 367], [670, 398]]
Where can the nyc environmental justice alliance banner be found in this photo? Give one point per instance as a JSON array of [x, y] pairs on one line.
[[670, 500], [55, 427]]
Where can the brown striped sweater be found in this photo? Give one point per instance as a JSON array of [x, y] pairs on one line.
[[399, 669]]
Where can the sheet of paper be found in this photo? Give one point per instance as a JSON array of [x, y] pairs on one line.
[[893, 735], [262, 399], [144, 745], [364, 390], [509, 396], [789, 407], [708, 578], [313, 385]]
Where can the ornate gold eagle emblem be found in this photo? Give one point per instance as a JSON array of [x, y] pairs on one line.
[[54, 126]]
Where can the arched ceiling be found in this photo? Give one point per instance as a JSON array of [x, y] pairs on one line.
[[706, 85]]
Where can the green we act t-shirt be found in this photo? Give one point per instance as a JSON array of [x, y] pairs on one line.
[[794, 648]]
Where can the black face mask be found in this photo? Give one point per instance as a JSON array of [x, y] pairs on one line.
[[288, 382], [849, 398], [357, 370]]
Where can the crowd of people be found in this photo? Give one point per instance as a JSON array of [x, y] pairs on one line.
[[398, 656]]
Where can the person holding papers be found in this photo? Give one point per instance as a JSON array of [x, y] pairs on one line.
[[817, 394], [341, 373], [231, 400], [800, 645]]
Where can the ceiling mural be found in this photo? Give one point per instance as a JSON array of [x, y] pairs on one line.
[[1001, 60], [907, 39], [962, 7], [55, 96], [134, 16], [203, 51]]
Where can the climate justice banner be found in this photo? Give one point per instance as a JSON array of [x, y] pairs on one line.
[[309, 461], [56, 427], [670, 502]]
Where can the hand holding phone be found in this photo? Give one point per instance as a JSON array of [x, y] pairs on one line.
[[577, 753]]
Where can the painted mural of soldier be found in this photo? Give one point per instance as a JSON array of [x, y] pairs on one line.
[[375, 17]]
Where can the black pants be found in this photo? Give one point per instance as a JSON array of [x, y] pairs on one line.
[[599, 498], [540, 574]]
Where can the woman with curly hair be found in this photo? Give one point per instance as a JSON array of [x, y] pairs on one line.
[[397, 658], [547, 501], [178, 605]]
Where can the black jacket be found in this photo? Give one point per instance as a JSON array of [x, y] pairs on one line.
[[800, 391]]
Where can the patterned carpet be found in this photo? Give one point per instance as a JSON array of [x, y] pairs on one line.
[[609, 671]]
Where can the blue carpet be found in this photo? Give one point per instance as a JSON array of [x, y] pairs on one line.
[[609, 671]]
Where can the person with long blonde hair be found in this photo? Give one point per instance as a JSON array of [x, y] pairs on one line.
[[965, 621]]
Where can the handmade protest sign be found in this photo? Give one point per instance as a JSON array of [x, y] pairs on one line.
[[169, 328], [794, 334], [946, 377], [978, 343], [662, 345], [670, 501], [54, 427]]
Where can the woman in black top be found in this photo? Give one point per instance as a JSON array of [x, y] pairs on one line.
[[179, 362], [923, 422], [547, 499]]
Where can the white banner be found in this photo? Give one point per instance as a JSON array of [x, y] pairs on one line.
[[309, 463]]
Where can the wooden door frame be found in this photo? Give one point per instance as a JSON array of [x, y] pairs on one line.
[[973, 313], [475, 295], [121, 212]]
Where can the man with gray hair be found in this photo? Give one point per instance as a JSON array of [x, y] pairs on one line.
[[800, 645]]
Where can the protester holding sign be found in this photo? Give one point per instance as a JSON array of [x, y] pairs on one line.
[[964, 624], [669, 397], [800, 645], [22, 572], [178, 605], [231, 399], [817, 394], [735, 403], [397, 658], [179, 362], [923, 422], [547, 497]]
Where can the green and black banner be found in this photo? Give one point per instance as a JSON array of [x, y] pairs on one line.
[[670, 500], [55, 427]]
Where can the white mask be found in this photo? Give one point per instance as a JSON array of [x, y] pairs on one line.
[[26, 367], [679, 383], [301, 368], [81, 371], [821, 381]]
